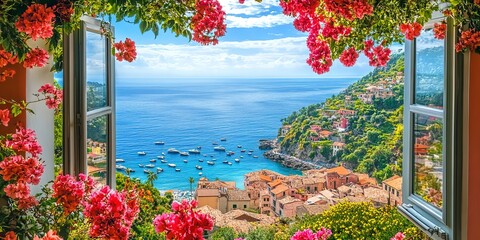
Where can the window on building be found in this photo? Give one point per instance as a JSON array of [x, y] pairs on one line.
[[433, 85], [244, 206], [234, 206], [89, 107], [316, 188]]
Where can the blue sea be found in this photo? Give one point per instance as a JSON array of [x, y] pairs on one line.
[[186, 113]]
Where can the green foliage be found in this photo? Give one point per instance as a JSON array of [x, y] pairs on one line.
[[349, 220], [261, 233], [224, 233]]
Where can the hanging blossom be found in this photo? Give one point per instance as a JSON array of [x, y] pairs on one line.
[[411, 30], [20, 169], [308, 234], [241, 1], [70, 193], [50, 235], [208, 23], [469, 39], [320, 58], [349, 57], [6, 58], [398, 236], [53, 96], [184, 223], [349, 9], [5, 117], [334, 32], [25, 140], [37, 57], [126, 51], [378, 56], [36, 22], [439, 30], [7, 73], [299, 7], [111, 213]]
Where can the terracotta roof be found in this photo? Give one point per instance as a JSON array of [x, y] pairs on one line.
[[340, 170], [325, 133], [314, 209], [343, 188], [376, 194], [237, 195], [265, 178], [338, 144], [279, 189], [394, 182], [275, 183], [206, 192], [288, 200]]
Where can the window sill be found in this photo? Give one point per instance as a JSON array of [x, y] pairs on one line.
[[430, 228]]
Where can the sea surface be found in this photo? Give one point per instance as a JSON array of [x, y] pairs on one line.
[[186, 113]]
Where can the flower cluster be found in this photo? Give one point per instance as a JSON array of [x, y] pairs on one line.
[[411, 30], [334, 32], [439, 30], [308, 234], [36, 22], [469, 39], [5, 59], [349, 57], [208, 22], [53, 95], [64, 10], [349, 9], [25, 140], [70, 193], [126, 51], [5, 117], [111, 213], [378, 56], [320, 58], [184, 223], [36, 58], [50, 235], [20, 169], [398, 236]]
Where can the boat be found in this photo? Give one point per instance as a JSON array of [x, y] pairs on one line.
[[199, 147], [237, 160], [249, 153], [241, 156], [163, 153], [255, 156], [214, 159], [184, 154], [223, 139], [239, 146], [230, 153], [150, 165], [119, 160], [172, 165], [153, 160], [199, 167], [173, 150], [141, 153], [163, 161], [130, 170], [159, 170], [200, 173], [194, 151], [250, 150], [210, 163], [160, 143], [243, 150], [225, 162], [161, 157], [214, 143], [200, 160], [177, 169], [146, 171], [120, 167], [205, 155], [219, 148], [185, 160], [141, 165], [229, 163]]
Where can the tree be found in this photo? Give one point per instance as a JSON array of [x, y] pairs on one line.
[[191, 180], [152, 176]]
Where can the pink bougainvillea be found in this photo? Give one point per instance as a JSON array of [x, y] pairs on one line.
[[37, 57], [21, 169], [10, 236], [349, 57], [53, 95], [36, 22], [320, 58], [5, 117], [439, 30], [334, 32], [470, 39], [50, 235], [411, 30], [111, 213], [184, 223], [378, 56], [398, 236], [20, 192], [25, 140], [349, 9], [126, 51], [308, 234], [69, 192], [208, 23]]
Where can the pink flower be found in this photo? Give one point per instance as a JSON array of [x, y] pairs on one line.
[[184, 223], [469, 39], [308, 234], [126, 51], [5, 117], [378, 56], [53, 96], [320, 58], [349, 9], [68, 192], [25, 140], [411, 30], [349, 57], [334, 32], [299, 7], [36, 58], [18, 168], [439, 30], [20, 191], [51, 235], [208, 23], [398, 236], [36, 22], [241, 1]]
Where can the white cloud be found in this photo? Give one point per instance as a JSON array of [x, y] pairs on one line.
[[265, 21], [250, 7]]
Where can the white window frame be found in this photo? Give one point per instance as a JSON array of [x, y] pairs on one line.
[[76, 115], [444, 223]]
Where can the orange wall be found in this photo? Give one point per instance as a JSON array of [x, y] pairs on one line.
[[14, 88], [474, 150]]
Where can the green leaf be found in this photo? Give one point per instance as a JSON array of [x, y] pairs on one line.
[[143, 26], [155, 30], [16, 110]]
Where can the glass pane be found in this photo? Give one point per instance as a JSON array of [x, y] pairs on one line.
[[96, 71], [429, 70], [428, 155], [97, 142]]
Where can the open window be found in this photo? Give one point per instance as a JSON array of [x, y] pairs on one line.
[[89, 106], [432, 150]]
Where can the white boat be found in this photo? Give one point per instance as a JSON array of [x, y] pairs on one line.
[[150, 166], [119, 160], [173, 150], [177, 169], [120, 167], [200, 160], [172, 165], [223, 139], [210, 163], [159, 170], [194, 151], [141, 153], [225, 162], [243, 150], [163, 161], [161, 157], [153, 160], [255, 156], [237, 160], [241, 156], [230, 153], [159, 143], [239, 146], [199, 167], [146, 171], [219, 148], [141, 165], [185, 160], [130, 170], [200, 173], [229, 163], [184, 154], [249, 153]]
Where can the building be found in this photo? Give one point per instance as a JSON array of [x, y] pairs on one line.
[[264, 203], [393, 186], [288, 206], [221, 195], [339, 176], [346, 112], [337, 146], [237, 199], [284, 130]]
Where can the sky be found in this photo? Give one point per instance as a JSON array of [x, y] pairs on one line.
[[260, 43]]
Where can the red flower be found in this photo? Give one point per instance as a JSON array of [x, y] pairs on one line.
[[378, 56], [208, 22], [349, 57], [5, 117], [53, 95], [299, 7], [64, 9], [20, 169], [36, 22], [6, 58], [51, 235], [10, 236], [398, 236], [411, 30], [320, 58], [349, 9], [439, 30], [126, 51], [7, 73], [334, 32], [68, 192], [36, 58], [25, 140], [21, 193], [241, 1], [469, 39]]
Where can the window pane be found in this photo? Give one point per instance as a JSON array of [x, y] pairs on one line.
[[96, 71], [97, 142], [428, 155], [429, 70]]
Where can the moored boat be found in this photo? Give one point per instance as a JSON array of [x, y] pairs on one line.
[[173, 150], [230, 153], [223, 139], [141, 153], [153, 160], [219, 148], [255, 156], [194, 151], [120, 167], [146, 171], [150, 166], [159, 143], [199, 167], [225, 162], [229, 163], [185, 160], [161, 157], [119, 160], [200, 160], [243, 150], [214, 143], [237, 160], [200, 173], [177, 169], [141, 165], [249, 153], [163, 161], [159, 170], [130, 170], [184, 154], [210, 163], [172, 165]]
